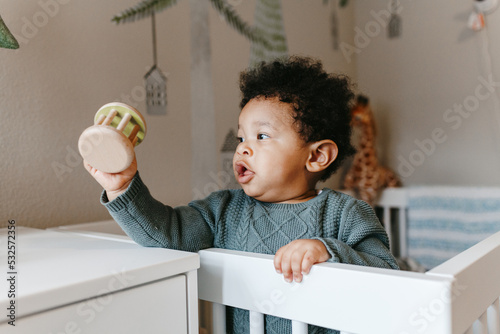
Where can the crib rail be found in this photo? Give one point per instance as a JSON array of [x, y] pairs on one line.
[[477, 287], [354, 299]]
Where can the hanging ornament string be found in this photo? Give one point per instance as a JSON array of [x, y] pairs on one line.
[[156, 82], [153, 22], [334, 22]]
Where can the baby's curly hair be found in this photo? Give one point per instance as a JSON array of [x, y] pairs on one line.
[[321, 102]]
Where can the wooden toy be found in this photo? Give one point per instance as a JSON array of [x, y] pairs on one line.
[[108, 145]]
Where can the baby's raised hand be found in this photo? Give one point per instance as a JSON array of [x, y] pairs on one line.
[[114, 184], [296, 258]]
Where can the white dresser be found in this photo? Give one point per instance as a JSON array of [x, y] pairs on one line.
[[67, 282]]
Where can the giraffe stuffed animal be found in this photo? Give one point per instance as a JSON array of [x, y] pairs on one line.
[[366, 177]]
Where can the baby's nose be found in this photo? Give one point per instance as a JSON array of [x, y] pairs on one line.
[[244, 149]]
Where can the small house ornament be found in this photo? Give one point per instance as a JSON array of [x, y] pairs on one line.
[[156, 91], [156, 83], [394, 26]]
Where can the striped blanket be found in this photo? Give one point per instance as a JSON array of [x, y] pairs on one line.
[[444, 221]]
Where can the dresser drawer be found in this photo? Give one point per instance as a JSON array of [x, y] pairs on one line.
[[158, 307]]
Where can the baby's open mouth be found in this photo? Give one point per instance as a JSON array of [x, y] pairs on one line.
[[240, 168], [244, 174]]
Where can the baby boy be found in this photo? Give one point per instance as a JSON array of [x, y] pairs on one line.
[[294, 131]]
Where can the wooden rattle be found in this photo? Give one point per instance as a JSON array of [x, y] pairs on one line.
[[108, 145]]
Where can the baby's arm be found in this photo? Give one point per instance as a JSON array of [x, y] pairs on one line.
[[147, 221], [151, 223]]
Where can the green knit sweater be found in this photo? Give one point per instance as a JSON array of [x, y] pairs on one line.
[[232, 220]]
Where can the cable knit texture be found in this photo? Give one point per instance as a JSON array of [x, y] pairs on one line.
[[232, 220]]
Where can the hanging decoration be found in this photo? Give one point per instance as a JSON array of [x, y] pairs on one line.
[[203, 143], [486, 6], [7, 40], [156, 83], [477, 19], [342, 3], [226, 154], [394, 26], [146, 7], [334, 23], [268, 22], [477, 22]]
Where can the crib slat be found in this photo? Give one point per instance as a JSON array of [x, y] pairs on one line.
[[469, 331], [387, 223], [256, 323], [403, 248], [299, 327], [219, 318], [481, 324], [494, 318]]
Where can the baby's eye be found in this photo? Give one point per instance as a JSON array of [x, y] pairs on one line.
[[262, 136], [241, 139]]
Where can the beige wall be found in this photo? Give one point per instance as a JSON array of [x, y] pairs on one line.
[[419, 82], [73, 60]]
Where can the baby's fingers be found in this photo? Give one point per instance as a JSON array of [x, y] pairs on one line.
[[277, 260], [286, 267], [307, 262], [282, 263], [297, 265], [296, 258], [88, 167]]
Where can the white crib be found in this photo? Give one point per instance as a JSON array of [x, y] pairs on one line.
[[459, 296]]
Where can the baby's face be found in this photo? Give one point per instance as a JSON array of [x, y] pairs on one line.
[[270, 161]]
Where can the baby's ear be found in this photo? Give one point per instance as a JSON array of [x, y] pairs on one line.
[[321, 155]]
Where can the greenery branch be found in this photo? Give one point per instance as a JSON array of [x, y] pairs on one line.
[[143, 9], [147, 7]]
